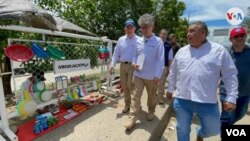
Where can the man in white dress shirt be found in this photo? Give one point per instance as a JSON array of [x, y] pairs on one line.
[[148, 73], [194, 75], [124, 49]]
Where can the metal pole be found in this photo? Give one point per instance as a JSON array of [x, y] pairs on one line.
[[4, 119], [49, 32]]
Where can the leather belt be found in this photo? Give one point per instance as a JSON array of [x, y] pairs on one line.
[[126, 62]]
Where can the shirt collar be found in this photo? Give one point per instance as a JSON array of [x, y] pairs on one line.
[[148, 39], [204, 43], [232, 49], [128, 37]]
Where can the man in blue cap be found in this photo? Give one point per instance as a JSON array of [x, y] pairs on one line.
[[124, 49]]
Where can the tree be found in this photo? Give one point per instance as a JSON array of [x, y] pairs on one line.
[[105, 18], [102, 17], [168, 17]]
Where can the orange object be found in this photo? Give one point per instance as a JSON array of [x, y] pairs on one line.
[[79, 108]]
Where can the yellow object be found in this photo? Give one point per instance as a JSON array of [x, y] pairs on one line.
[[26, 106]]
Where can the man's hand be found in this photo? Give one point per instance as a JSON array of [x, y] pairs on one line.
[[156, 80], [135, 66], [111, 70], [227, 106], [169, 95]]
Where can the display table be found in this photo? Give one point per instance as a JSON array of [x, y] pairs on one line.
[[26, 131]]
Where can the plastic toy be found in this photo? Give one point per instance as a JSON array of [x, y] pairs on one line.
[[82, 91], [39, 86], [26, 106], [101, 53], [45, 95], [43, 122], [61, 82], [52, 121], [82, 78], [79, 108], [106, 52]]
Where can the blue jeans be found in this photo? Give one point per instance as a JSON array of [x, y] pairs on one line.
[[229, 118], [207, 113]]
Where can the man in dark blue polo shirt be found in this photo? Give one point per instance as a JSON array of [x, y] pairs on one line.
[[168, 57], [240, 53]]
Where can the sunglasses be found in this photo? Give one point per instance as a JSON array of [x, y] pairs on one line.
[[239, 36]]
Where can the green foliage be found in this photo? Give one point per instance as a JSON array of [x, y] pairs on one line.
[[168, 17], [102, 17], [106, 17]]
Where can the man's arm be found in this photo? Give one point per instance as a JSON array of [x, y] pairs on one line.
[[229, 77], [115, 57], [172, 77], [160, 60], [170, 57]]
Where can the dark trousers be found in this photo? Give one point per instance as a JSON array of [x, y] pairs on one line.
[[229, 118]]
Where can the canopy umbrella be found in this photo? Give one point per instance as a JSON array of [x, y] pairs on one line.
[[66, 26], [27, 12]]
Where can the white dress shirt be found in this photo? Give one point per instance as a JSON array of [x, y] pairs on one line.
[[124, 49], [153, 50], [195, 73]]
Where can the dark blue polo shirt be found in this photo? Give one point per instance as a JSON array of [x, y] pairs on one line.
[[242, 63], [167, 47]]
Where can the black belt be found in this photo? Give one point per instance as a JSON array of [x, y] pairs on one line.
[[126, 62]]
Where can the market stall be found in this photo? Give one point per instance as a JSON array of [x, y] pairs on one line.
[[52, 80]]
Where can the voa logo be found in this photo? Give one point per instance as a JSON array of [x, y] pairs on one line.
[[236, 132], [235, 16]]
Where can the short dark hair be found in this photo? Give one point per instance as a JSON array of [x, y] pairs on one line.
[[202, 24]]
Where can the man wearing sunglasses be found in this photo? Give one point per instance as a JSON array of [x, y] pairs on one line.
[[240, 53]]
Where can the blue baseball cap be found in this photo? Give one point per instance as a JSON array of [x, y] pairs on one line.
[[129, 22]]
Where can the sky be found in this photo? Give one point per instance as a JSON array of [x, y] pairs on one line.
[[213, 12], [212, 9]]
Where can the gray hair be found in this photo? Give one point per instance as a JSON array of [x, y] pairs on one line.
[[164, 31], [146, 19], [202, 24]]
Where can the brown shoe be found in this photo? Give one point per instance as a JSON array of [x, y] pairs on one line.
[[150, 116], [130, 123], [199, 138], [125, 109]]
